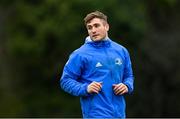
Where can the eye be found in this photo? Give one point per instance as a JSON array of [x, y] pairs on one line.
[[96, 25], [89, 27]]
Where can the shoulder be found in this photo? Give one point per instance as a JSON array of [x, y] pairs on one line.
[[80, 50], [119, 47], [79, 53]]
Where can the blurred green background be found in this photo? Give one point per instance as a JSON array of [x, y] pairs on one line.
[[37, 36]]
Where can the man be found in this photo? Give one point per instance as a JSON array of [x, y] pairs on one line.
[[99, 72]]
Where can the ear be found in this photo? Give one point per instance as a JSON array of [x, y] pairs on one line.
[[107, 27]]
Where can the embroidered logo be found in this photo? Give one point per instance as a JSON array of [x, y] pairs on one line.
[[118, 61], [98, 64]]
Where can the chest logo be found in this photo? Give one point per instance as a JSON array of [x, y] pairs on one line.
[[118, 61], [98, 64]]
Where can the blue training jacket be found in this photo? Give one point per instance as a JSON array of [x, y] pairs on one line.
[[101, 61]]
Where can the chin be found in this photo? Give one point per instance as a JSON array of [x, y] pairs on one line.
[[97, 39]]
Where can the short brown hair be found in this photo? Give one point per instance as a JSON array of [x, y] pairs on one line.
[[95, 14]]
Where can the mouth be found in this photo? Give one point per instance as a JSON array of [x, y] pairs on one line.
[[95, 35]]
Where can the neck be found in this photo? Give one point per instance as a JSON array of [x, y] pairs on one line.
[[103, 39]]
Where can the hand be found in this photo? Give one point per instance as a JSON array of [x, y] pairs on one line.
[[120, 89], [94, 87]]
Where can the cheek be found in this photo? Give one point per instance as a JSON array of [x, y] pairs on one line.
[[89, 32], [100, 30], [103, 31]]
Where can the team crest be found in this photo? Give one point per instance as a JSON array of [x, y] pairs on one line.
[[118, 61]]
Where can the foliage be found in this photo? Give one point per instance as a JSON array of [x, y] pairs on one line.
[[41, 34]]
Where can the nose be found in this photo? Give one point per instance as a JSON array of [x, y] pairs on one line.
[[93, 30]]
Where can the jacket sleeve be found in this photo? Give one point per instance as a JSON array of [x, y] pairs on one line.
[[70, 76], [128, 78]]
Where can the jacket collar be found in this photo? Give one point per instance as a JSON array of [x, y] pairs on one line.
[[98, 44]]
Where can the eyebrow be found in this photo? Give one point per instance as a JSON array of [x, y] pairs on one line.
[[93, 24]]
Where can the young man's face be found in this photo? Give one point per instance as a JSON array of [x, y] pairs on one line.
[[97, 29]]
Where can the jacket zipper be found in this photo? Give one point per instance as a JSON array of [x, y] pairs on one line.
[[111, 78]]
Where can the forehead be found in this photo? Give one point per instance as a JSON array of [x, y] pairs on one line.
[[95, 21]]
